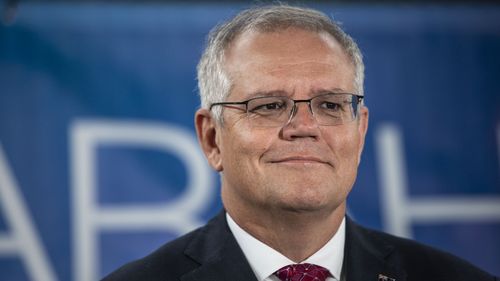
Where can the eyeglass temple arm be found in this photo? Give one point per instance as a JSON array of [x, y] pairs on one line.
[[228, 104]]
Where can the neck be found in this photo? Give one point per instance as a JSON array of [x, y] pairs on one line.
[[295, 234]]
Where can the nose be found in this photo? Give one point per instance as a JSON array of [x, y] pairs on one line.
[[301, 123], [296, 112]]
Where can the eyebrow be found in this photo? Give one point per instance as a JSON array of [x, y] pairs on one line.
[[330, 91], [273, 93], [283, 93]]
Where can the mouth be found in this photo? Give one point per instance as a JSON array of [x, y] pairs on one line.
[[299, 160]]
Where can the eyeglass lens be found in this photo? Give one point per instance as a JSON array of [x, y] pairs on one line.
[[327, 109]]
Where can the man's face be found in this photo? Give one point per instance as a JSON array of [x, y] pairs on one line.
[[300, 166]]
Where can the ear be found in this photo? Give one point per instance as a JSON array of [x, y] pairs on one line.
[[207, 132], [362, 129]]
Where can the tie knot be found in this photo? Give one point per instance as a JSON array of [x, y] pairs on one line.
[[302, 272]]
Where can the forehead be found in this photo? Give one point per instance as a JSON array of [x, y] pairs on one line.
[[286, 60]]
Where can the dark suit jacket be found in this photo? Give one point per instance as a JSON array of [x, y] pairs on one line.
[[211, 253]]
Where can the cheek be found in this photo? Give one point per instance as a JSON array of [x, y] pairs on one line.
[[344, 144], [243, 147]]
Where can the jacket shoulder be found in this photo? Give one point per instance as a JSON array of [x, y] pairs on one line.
[[423, 262], [167, 261]]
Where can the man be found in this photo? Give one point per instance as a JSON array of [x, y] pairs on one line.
[[283, 121]]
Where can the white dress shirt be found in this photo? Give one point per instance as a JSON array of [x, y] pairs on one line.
[[264, 260]]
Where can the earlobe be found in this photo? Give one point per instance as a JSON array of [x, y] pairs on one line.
[[207, 133]]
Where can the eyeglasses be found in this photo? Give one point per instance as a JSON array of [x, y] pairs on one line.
[[274, 111]]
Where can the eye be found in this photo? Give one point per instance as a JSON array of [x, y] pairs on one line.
[[271, 106], [331, 106], [266, 106]]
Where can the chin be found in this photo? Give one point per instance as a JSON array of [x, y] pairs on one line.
[[305, 209], [305, 204]]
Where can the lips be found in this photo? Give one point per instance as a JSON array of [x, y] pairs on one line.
[[300, 160], [303, 154]]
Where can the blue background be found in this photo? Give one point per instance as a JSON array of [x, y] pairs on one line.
[[432, 71]]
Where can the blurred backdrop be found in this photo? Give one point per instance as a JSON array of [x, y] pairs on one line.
[[99, 162]]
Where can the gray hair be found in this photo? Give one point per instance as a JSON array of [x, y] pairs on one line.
[[214, 83]]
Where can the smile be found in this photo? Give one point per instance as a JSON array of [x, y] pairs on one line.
[[299, 160]]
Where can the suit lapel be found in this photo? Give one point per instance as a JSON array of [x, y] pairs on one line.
[[368, 257], [218, 254]]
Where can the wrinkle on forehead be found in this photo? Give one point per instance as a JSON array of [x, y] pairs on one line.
[[313, 73]]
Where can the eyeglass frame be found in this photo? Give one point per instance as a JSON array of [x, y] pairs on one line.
[[359, 101]]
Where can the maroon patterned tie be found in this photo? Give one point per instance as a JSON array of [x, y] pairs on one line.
[[302, 272]]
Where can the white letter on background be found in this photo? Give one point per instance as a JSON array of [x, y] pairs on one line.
[[88, 217], [400, 211], [23, 239]]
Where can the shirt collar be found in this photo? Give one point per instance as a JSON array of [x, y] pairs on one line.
[[264, 260]]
